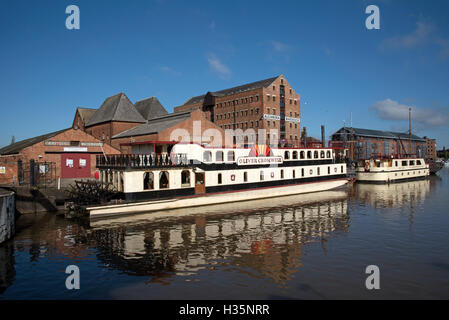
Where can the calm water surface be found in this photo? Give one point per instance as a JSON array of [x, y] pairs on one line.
[[303, 247]]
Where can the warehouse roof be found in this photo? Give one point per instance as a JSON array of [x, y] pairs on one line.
[[150, 108], [155, 125], [380, 134], [20, 145], [246, 87], [116, 108]]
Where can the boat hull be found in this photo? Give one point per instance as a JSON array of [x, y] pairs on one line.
[[212, 199], [391, 176]]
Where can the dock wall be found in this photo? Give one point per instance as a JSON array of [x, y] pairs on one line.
[[7, 216]]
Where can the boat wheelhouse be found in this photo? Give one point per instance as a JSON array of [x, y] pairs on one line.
[[386, 170], [194, 175]]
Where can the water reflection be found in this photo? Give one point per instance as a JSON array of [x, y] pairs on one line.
[[261, 242], [7, 270], [393, 195]]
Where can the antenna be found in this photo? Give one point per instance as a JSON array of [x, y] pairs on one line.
[[410, 129]]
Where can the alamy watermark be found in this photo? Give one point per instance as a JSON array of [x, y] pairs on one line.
[[72, 22], [73, 280], [373, 20], [373, 280]]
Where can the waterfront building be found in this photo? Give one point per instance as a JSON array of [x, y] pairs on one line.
[[366, 143], [64, 154], [271, 104], [431, 148]]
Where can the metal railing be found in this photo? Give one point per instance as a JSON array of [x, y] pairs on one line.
[[141, 160]]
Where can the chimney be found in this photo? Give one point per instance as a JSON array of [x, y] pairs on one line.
[[323, 139]]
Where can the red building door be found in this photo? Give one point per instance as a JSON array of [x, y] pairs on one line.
[[75, 165]]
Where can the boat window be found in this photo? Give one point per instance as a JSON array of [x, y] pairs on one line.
[[287, 155], [404, 163], [302, 155], [328, 154], [302, 172], [318, 171], [148, 181], [341, 169], [328, 170], [261, 175], [418, 162], [231, 156], [245, 176], [315, 155], [395, 163], [219, 156], [295, 155], [185, 178], [220, 178], [294, 174], [282, 174], [163, 180], [207, 156], [322, 154], [412, 162], [309, 154]]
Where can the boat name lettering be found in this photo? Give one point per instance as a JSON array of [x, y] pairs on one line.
[[246, 161]]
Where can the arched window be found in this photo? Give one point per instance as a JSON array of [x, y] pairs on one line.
[[185, 178], [231, 156], [295, 154], [287, 155], [315, 154], [163, 180], [148, 181], [328, 154], [322, 154], [309, 154], [302, 155], [219, 156], [207, 156]]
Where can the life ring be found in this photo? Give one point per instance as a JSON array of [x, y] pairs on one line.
[[366, 166], [335, 169], [311, 171]]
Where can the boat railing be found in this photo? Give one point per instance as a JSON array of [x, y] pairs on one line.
[[141, 160]]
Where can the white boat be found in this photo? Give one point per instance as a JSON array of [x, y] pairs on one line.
[[386, 170], [194, 175]]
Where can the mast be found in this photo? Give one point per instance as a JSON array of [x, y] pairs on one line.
[[410, 130]]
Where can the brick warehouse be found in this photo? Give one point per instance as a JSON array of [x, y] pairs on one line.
[[270, 104], [72, 151], [366, 143]]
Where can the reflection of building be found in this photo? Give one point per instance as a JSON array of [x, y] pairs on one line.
[[366, 143], [393, 195], [268, 241]]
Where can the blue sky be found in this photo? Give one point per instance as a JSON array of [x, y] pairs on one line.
[[178, 49]]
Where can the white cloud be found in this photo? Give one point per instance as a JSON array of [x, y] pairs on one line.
[[392, 110], [419, 36], [279, 46], [170, 71], [218, 67]]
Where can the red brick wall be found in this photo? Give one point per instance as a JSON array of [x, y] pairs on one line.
[[42, 153], [109, 129], [10, 164]]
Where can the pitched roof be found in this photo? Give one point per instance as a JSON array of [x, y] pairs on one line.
[[20, 145], [86, 113], [246, 87], [155, 125], [150, 108], [381, 134], [116, 108]]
